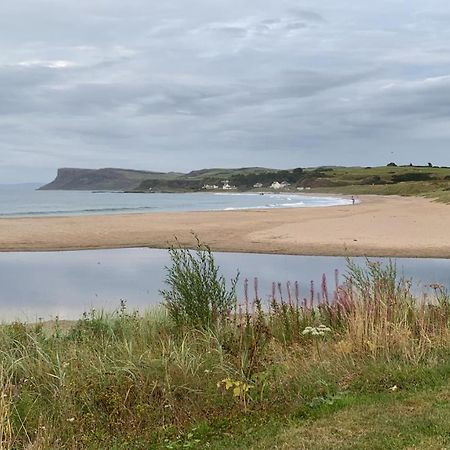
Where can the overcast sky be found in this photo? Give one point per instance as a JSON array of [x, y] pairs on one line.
[[180, 85]]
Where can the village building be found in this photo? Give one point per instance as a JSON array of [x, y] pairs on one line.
[[276, 185], [228, 187]]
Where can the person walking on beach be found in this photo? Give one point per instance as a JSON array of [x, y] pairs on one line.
[[353, 200]]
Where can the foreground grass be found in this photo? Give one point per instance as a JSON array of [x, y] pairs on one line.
[[418, 420], [95, 388], [388, 420], [368, 361], [103, 385]]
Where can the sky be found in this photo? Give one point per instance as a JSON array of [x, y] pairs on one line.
[[178, 85]]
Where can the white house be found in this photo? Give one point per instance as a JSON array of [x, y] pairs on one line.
[[277, 185], [258, 185], [227, 186]]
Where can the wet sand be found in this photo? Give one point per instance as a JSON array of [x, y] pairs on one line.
[[379, 226]]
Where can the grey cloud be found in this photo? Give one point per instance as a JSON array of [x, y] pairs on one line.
[[312, 16], [219, 100], [232, 31], [253, 27], [295, 25], [426, 98]]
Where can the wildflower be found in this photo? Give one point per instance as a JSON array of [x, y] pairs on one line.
[[239, 388], [71, 419], [226, 382], [394, 388], [316, 331]]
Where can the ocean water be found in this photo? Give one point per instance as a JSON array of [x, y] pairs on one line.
[[46, 284], [28, 202]]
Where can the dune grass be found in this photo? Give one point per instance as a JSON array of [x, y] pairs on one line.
[[296, 373]]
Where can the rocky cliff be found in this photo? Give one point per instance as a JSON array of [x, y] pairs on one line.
[[100, 179]]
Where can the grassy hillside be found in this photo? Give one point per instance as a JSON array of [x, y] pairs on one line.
[[195, 180], [225, 174], [426, 181]]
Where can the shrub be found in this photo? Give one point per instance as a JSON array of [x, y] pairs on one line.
[[198, 295], [411, 176]]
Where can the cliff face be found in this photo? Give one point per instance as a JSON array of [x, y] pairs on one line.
[[99, 179]]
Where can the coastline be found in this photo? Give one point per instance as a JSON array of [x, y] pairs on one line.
[[379, 226]]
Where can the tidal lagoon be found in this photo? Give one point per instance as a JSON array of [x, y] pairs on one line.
[[66, 284]]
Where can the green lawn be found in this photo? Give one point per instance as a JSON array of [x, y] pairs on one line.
[[389, 420]]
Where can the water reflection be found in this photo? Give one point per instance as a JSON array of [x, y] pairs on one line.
[[67, 283]]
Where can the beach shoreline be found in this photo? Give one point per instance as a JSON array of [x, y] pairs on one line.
[[378, 226]]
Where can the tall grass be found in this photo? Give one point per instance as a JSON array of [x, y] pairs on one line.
[[6, 393], [130, 380], [198, 295]]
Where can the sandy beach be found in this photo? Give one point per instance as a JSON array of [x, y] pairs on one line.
[[379, 226]]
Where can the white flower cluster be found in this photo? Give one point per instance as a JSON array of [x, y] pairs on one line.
[[317, 331]]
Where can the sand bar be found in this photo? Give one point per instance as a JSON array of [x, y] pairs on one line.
[[379, 226]]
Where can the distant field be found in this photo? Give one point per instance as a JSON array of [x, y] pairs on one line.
[[429, 182]]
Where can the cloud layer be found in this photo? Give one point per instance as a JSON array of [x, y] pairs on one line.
[[183, 85]]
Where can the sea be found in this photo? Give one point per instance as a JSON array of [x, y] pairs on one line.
[[26, 201]]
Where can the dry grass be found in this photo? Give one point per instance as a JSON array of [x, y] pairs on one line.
[[6, 400]]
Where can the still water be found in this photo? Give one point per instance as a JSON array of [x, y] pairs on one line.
[[46, 284]]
